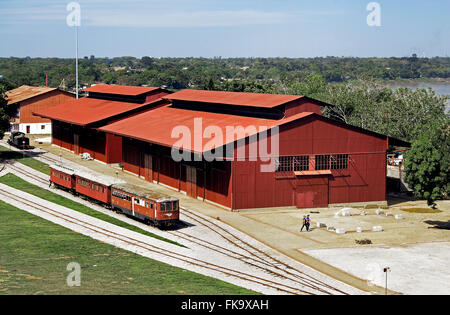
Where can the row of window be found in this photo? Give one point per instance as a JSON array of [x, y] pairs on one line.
[[61, 176], [91, 186], [137, 201], [309, 163], [169, 206]]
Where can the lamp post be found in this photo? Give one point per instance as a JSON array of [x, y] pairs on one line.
[[74, 20], [386, 270]]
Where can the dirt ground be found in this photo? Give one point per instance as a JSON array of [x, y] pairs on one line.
[[280, 229]]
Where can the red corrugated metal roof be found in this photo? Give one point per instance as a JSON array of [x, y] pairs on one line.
[[233, 98], [86, 110], [120, 89], [156, 125], [25, 92]]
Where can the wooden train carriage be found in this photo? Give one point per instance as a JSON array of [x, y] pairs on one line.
[[62, 176], [95, 186], [145, 204]]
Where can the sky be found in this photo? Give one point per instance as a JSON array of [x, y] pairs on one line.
[[227, 28]]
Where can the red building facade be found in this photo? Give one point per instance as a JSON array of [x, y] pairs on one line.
[[319, 161]]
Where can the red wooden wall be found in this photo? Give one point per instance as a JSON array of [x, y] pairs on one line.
[[199, 181], [364, 179], [41, 102]]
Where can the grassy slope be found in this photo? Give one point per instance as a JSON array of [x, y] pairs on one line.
[[8, 154], [34, 254], [20, 184]]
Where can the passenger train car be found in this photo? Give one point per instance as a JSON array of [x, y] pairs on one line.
[[144, 204], [141, 203]]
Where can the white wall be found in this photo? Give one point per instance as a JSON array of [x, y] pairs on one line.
[[36, 129]]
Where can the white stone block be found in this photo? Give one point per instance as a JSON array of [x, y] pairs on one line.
[[389, 214], [340, 231], [330, 228], [377, 228], [379, 212], [363, 213], [359, 229], [321, 224], [346, 214], [398, 217]]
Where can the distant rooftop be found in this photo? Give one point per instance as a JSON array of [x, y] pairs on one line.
[[233, 98], [26, 92], [120, 89]]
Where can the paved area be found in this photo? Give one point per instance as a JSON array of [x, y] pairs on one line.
[[420, 269], [279, 228]]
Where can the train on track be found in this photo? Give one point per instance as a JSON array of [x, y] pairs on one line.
[[138, 202], [19, 140]]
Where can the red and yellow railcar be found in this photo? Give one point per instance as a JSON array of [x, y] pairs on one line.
[[145, 204], [62, 176], [95, 186]]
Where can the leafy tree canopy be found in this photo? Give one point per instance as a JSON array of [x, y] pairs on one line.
[[427, 164]]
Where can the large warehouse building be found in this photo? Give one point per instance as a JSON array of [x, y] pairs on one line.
[[316, 161]]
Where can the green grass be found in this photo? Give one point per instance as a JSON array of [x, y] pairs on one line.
[[34, 254], [20, 184], [8, 154]]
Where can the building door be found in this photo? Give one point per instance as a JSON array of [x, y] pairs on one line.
[[148, 164], [28, 129], [304, 199], [312, 193], [191, 181]]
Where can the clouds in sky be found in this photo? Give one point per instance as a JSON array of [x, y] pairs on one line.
[[153, 13], [293, 28]]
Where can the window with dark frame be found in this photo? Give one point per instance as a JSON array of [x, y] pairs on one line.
[[339, 161], [301, 163], [322, 162]]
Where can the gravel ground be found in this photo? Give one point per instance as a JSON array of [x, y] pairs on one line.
[[426, 274], [194, 250]]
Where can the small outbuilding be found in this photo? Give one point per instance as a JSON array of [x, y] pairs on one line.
[[27, 99]]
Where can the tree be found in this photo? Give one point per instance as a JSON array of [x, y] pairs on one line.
[[4, 118], [427, 164], [313, 85], [147, 61]]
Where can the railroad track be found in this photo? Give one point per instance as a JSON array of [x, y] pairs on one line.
[[43, 156], [260, 259], [253, 257], [156, 249], [32, 176]]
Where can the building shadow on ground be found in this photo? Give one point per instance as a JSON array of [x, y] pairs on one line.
[[439, 224]]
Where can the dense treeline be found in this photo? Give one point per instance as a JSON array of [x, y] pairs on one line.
[[179, 73]]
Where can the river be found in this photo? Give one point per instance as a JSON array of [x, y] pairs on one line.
[[441, 88]]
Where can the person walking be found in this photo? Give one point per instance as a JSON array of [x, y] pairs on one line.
[[304, 223], [307, 222]]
